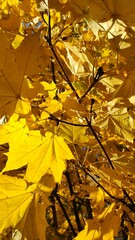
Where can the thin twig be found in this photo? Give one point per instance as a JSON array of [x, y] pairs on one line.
[[63, 70], [121, 200], [96, 181], [53, 70], [95, 80], [52, 117], [129, 198], [99, 142], [48, 39]]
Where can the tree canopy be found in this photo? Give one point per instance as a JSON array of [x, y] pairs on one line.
[[67, 109]]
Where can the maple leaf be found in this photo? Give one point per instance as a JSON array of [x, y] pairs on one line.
[[48, 55], [105, 10], [74, 105], [17, 41], [117, 120], [104, 226], [15, 198], [124, 161], [49, 108], [40, 154], [16, 90], [33, 224], [73, 134], [14, 132], [75, 60], [129, 85], [11, 22], [121, 10]]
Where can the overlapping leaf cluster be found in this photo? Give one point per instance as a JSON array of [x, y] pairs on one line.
[[67, 93]]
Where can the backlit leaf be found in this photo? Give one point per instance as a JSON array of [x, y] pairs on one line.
[[40, 154], [15, 199], [73, 133], [14, 132]]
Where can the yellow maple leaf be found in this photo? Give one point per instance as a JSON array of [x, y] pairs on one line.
[[97, 195], [75, 59], [33, 224], [73, 133], [50, 107], [129, 85], [111, 219], [8, 3], [14, 132], [50, 87], [118, 121], [15, 198], [105, 226], [16, 90], [40, 154], [82, 235], [104, 10]]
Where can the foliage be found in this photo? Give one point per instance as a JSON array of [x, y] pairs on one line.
[[67, 140]]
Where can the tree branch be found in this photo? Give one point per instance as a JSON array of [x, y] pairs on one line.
[[53, 70], [48, 39], [64, 212], [122, 200], [129, 198], [101, 145], [95, 80], [88, 208], [74, 202], [52, 117]]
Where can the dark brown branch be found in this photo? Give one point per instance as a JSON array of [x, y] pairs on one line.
[[55, 223], [101, 145], [87, 172], [74, 202], [88, 90], [88, 208], [122, 200], [64, 212], [129, 198], [48, 39], [63, 70], [53, 70], [95, 80], [91, 106], [52, 117], [54, 216], [49, 29]]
